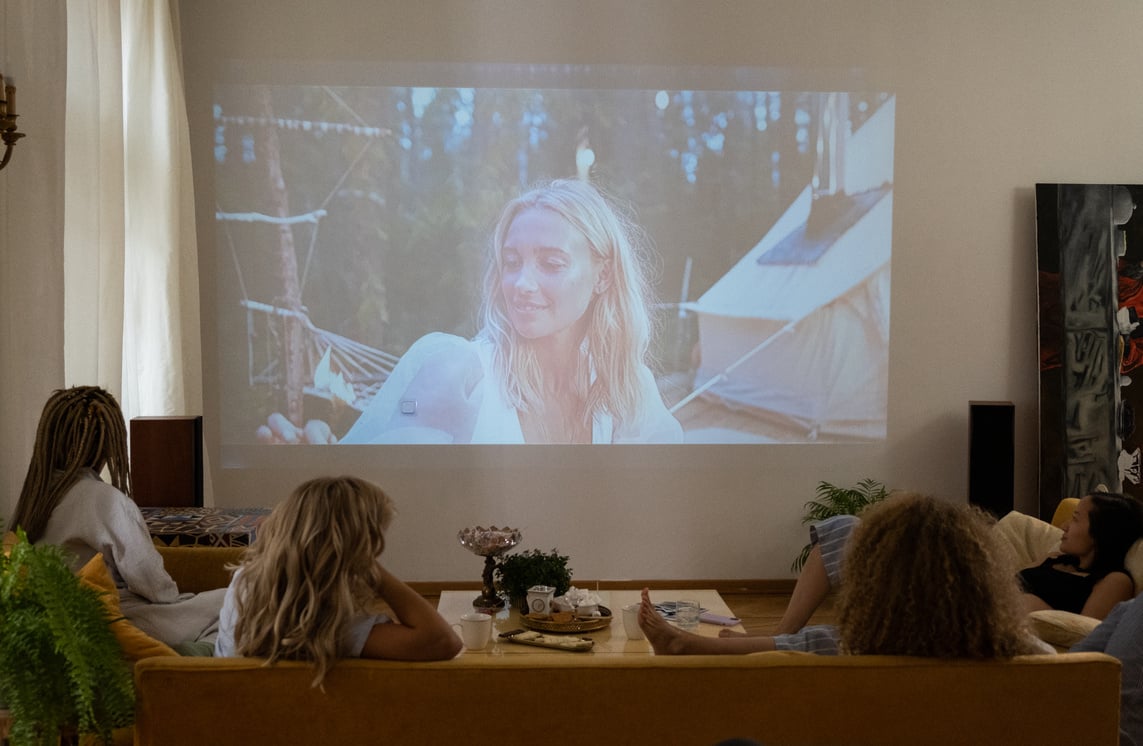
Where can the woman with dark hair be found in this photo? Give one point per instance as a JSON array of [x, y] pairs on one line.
[[1088, 576], [64, 501]]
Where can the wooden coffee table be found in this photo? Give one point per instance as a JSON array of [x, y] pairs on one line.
[[608, 641]]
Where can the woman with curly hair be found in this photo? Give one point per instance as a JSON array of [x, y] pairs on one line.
[[311, 585], [64, 501], [924, 577], [563, 347]]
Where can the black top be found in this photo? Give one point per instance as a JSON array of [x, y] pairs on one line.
[[1057, 586]]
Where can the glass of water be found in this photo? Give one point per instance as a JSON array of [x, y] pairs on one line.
[[687, 614]]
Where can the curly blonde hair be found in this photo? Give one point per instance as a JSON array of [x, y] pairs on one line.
[[312, 569], [924, 577], [80, 428], [620, 325]]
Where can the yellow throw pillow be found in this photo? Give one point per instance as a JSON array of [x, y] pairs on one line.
[[135, 642]]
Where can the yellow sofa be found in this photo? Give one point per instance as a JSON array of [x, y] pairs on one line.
[[775, 698]]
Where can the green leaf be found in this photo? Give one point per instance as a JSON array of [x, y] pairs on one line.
[[832, 500], [60, 664]]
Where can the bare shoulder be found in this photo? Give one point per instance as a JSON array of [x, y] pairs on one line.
[[1111, 589], [1117, 580]]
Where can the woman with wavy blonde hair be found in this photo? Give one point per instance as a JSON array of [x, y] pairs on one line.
[[602, 348], [923, 577], [310, 586], [562, 353]]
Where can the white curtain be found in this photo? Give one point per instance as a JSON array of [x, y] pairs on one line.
[[131, 274]]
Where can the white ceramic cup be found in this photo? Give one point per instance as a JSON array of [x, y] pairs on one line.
[[631, 622], [475, 630]]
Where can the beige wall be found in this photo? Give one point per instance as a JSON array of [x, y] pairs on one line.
[[991, 99], [31, 233]]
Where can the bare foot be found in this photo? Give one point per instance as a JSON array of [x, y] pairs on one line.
[[665, 638]]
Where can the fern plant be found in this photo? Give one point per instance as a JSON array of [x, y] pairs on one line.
[[832, 501], [60, 664]]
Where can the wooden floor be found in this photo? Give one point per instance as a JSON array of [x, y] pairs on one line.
[[759, 612]]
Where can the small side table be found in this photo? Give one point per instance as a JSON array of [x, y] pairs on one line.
[[211, 527]]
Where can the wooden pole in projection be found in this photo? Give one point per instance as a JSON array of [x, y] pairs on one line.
[[288, 261]]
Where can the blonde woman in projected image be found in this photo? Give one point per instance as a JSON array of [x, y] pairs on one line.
[[310, 586], [64, 501], [923, 577], [561, 356]]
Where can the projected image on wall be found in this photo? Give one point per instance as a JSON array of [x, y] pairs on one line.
[[552, 255]]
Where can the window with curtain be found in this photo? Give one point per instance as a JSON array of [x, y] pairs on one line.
[[130, 260]]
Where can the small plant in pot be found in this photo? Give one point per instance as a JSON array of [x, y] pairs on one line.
[[61, 668], [516, 573], [833, 501]]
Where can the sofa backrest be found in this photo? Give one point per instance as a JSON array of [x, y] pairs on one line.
[[775, 698]]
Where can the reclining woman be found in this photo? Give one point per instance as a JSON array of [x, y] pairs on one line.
[[310, 586], [924, 577], [65, 502], [1098, 536], [1088, 576]]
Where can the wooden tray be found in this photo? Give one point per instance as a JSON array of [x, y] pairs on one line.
[[585, 624], [567, 644]]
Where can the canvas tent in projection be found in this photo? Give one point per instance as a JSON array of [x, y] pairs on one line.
[[798, 330]]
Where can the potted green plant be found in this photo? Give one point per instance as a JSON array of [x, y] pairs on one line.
[[516, 573], [833, 500], [61, 668]]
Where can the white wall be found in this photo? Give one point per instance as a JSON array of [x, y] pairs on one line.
[[991, 99], [32, 49]]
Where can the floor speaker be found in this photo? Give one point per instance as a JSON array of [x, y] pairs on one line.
[[166, 462], [991, 455]]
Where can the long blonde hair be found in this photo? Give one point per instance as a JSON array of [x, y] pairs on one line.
[[80, 428], [311, 570], [925, 577], [619, 329]]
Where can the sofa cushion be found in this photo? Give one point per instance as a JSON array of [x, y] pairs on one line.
[[1061, 629], [135, 642], [1028, 540]]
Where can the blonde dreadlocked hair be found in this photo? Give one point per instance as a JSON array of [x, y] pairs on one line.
[[312, 569], [924, 577], [80, 428]]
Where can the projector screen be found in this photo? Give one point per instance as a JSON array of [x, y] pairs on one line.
[[445, 253]]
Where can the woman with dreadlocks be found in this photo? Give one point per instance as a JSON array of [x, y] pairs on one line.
[[65, 502]]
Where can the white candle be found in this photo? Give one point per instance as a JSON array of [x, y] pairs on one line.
[[10, 94]]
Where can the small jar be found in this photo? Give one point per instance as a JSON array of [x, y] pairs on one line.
[[540, 599]]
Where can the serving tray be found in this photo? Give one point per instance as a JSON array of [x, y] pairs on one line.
[[539, 640], [582, 624]]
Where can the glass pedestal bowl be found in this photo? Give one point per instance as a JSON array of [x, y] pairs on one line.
[[488, 543]]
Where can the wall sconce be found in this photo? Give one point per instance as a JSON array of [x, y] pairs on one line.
[[8, 133]]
